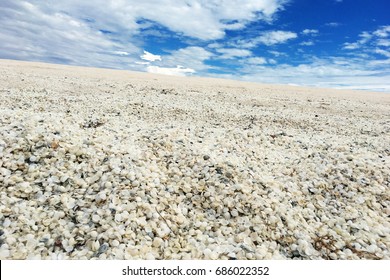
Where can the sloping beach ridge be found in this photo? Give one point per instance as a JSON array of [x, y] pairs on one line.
[[108, 164]]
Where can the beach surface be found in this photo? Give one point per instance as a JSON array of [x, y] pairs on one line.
[[109, 164]]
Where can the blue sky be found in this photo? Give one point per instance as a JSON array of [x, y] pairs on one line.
[[322, 43]]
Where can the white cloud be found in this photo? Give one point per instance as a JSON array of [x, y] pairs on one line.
[[307, 43], [335, 72], [267, 38], [31, 32], [103, 33], [233, 53], [272, 61], [332, 24], [177, 71], [215, 46], [310, 32], [202, 19], [383, 42], [208, 19], [109, 33], [378, 37], [383, 32], [150, 57], [182, 62], [142, 62], [383, 52], [121, 53], [275, 37], [277, 54], [190, 57], [351, 46], [256, 60], [365, 37]]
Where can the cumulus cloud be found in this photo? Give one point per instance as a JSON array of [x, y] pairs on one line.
[[365, 37], [215, 46], [267, 38], [383, 32], [277, 54], [275, 37], [378, 38], [383, 52], [189, 57], [335, 72], [182, 62], [233, 53], [383, 42], [104, 33], [332, 24], [203, 19], [150, 57], [256, 60], [176, 71], [272, 61], [31, 32], [121, 53], [200, 19], [371, 46], [307, 43], [310, 32], [351, 46]]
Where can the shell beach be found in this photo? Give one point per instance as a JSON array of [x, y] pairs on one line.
[[109, 164]]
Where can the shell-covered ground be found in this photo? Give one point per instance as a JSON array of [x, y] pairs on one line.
[[104, 164]]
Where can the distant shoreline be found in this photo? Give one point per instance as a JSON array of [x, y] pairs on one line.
[[188, 77]]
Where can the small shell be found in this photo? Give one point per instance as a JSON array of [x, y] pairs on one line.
[[95, 218], [95, 245], [157, 242]]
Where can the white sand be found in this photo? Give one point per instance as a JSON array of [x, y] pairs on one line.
[[110, 164]]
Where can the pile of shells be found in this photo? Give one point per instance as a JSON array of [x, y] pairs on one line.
[[108, 184], [187, 194]]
